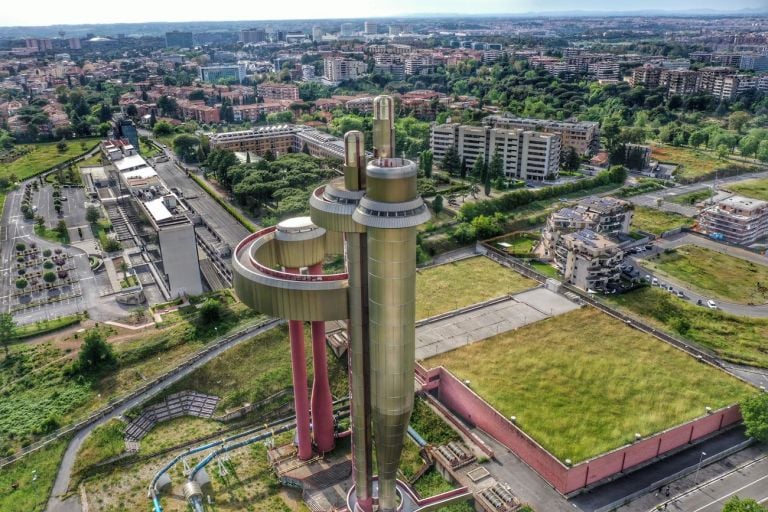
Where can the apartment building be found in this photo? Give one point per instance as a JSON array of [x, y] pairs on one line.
[[647, 75], [583, 136], [272, 91], [738, 219], [708, 77], [679, 81], [339, 69], [588, 260], [418, 64], [526, 154]]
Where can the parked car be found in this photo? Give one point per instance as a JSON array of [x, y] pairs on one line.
[[649, 247], [711, 304], [680, 294]]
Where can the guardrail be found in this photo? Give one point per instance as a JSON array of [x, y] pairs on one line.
[[119, 402]]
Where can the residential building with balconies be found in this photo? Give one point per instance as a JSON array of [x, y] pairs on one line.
[[739, 220]]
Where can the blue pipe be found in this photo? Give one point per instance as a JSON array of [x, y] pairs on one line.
[[416, 437], [156, 504]]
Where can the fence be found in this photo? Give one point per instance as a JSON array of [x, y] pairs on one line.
[[115, 404]]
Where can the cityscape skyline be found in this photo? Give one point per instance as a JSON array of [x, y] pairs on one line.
[[81, 12]]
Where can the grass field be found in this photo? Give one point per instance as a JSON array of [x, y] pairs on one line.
[[31, 496], [522, 243], [737, 339], [583, 383], [45, 155], [453, 285], [656, 221], [694, 164], [691, 198], [757, 189], [106, 441], [713, 273]]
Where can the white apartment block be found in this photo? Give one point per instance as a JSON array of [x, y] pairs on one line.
[[583, 136], [339, 69], [588, 260], [526, 154]]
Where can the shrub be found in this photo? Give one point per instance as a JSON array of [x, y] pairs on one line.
[[47, 253], [48, 264], [21, 283], [210, 312], [21, 247], [49, 277], [62, 274], [96, 354], [22, 271]]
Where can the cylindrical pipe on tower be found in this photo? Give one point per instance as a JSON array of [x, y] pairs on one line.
[[322, 401], [299, 374], [384, 127]]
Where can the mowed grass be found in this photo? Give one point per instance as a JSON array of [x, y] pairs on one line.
[[713, 273], [656, 221], [454, 285], [756, 189], [737, 339], [29, 495], [45, 155], [584, 383]]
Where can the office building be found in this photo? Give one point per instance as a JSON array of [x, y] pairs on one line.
[[737, 219], [253, 35], [213, 74], [347, 30], [176, 39], [371, 28]]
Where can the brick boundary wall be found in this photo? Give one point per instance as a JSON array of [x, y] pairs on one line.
[[471, 408]]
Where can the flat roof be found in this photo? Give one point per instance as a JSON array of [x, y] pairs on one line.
[[141, 173], [744, 203], [130, 162], [157, 209]]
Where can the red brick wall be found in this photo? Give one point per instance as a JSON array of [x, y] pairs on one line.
[[473, 409]]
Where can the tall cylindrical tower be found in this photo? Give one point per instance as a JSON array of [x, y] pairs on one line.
[[390, 210]]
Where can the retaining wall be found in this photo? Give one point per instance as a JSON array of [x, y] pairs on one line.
[[464, 402]]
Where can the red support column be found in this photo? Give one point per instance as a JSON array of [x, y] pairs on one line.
[[299, 372], [322, 403]]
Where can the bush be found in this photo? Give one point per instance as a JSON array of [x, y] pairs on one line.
[[755, 412], [48, 264], [21, 283], [111, 244], [49, 277], [211, 312], [47, 253], [96, 355], [21, 247]]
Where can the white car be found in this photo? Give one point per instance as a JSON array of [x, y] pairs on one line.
[[711, 304]]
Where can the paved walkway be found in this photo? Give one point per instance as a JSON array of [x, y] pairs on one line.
[[466, 328], [61, 485]]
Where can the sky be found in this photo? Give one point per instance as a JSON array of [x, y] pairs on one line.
[[50, 12]]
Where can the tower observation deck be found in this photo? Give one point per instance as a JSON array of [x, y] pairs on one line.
[[370, 215]]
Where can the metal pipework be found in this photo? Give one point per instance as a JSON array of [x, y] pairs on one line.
[[391, 210], [383, 127], [354, 163]]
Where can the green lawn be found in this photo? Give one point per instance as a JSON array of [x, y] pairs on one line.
[[45, 155], [522, 243], [757, 189], [106, 441], [454, 285], [691, 198], [656, 221], [713, 273], [546, 269], [51, 235], [583, 383], [737, 339], [693, 164], [31, 496], [46, 326]]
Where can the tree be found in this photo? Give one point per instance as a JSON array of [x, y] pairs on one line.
[[62, 147], [451, 161], [736, 504], [162, 128], [61, 229], [496, 167], [737, 120], [722, 151], [570, 159], [487, 184], [749, 145], [40, 221], [437, 204], [92, 214], [21, 283], [96, 354], [479, 169], [7, 331], [185, 145], [211, 312], [755, 412], [426, 163], [610, 129], [463, 170]]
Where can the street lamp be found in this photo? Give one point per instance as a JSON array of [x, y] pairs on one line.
[[698, 468]]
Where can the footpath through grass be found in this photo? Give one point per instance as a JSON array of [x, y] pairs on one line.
[[713, 273], [583, 383], [450, 286], [738, 339], [656, 221]]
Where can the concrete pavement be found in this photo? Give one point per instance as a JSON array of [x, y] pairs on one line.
[[61, 486]]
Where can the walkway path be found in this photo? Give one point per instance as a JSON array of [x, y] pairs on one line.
[[61, 485]]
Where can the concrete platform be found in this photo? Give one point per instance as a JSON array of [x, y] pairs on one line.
[[460, 330]]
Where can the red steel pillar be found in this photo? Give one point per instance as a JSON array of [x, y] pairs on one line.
[[299, 372], [322, 402]]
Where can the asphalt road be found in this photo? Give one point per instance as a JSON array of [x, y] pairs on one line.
[[61, 485], [747, 481], [650, 199]]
